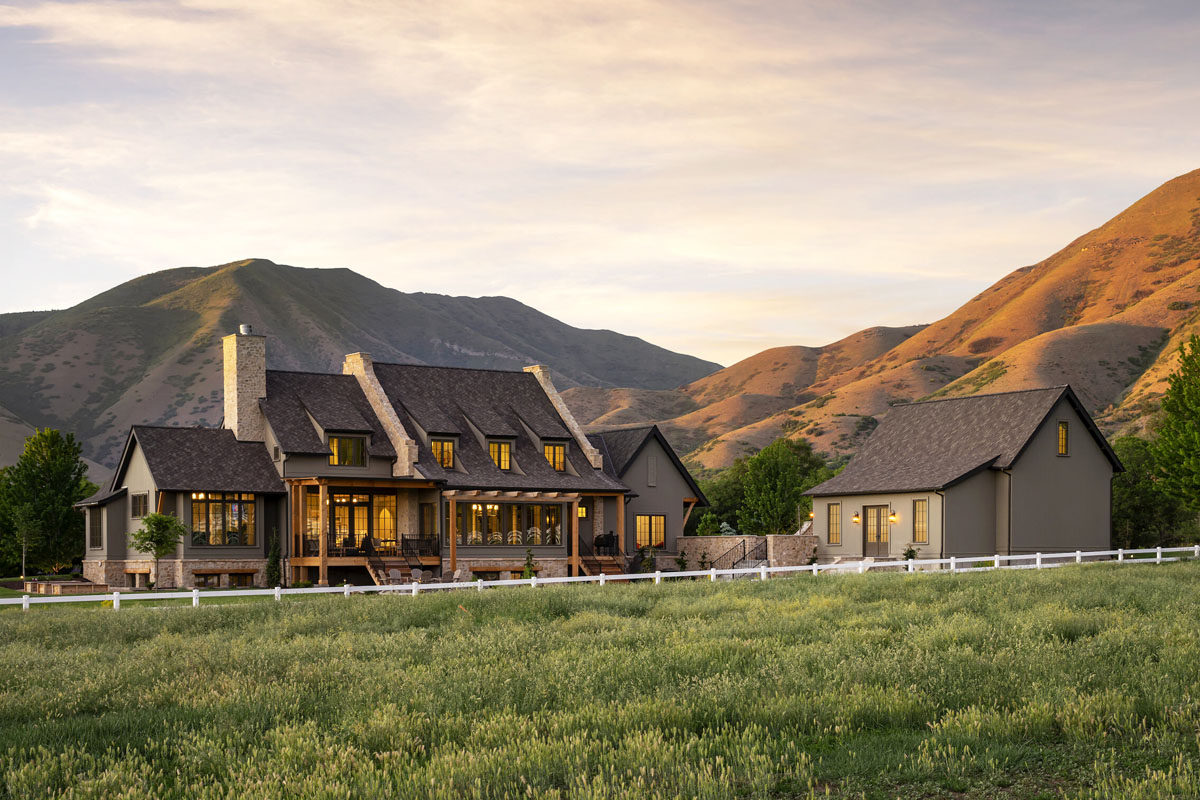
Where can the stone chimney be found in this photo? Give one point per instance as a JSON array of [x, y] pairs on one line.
[[362, 367], [245, 383], [542, 373]]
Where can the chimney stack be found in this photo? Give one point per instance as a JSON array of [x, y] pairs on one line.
[[542, 373], [245, 383]]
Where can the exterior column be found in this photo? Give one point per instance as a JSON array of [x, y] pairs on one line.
[[575, 561], [621, 524], [453, 536], [323, 536]]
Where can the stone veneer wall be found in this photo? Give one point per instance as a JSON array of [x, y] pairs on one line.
[[791, 551], [176, 573], [362, 367], [245, 381], [550, 567], [782, 551]]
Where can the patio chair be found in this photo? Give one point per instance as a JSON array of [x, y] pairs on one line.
[[395, 577], [418, 575]]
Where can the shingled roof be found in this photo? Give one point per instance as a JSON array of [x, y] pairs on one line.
[[467, 403], [295, 400], [937, 443], [208, 459], [621, 446]]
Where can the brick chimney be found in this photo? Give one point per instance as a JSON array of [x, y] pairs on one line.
[[245, 383]]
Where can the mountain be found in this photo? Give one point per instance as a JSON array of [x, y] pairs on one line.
[[1105, 314], [149, 350]]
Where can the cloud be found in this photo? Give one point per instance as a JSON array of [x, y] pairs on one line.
[[634, 164]]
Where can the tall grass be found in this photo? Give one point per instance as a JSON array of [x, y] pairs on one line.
[[1078, 682]]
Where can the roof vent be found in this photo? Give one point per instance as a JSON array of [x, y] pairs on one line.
[[245, 330]]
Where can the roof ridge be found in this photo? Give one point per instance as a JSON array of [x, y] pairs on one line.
[[989, 394], [311, 372], [178, 427], [467, 369]]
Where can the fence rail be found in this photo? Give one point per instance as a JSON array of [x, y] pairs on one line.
[[954, 564]]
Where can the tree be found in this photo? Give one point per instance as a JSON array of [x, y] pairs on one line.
[[774, 484], [274, 562], [1177, 449], [1145, 514], [40, 491], [158, 536], [725, 494]]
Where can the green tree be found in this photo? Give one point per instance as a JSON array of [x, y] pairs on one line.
[[38, 495], [1145, 513], [774, 484], [1177, 449], [274, 561], [726, 493], [158, 536]]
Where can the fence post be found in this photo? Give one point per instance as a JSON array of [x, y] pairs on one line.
[[1196, 551], [116, 601], [533, 581], [195, 598], [1078, 556], [712, 574], [1158, 555], [953, 565], [602, 576], [762, 572], [1120, 554], [997, 561], [657, 576], [24, 602], [278, 593], [1039, 561], [346, 590], [862, 566], [911, 565], [816, 571]]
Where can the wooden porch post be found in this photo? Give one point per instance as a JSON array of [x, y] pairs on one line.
[[323, 536], [621, 524], [575, 537], [453, 536]]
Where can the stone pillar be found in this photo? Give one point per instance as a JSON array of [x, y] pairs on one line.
[[362, 367], [598, 518], [542, 373], [323, 536], [245, 356]]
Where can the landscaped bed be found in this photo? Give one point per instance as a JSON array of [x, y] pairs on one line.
[[1076, 682]]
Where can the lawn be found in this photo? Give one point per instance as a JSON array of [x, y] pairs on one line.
[[1078, 682]]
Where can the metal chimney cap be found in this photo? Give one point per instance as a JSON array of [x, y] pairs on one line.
[[245, 329]]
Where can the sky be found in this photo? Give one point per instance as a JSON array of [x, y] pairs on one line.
[[716, 177]]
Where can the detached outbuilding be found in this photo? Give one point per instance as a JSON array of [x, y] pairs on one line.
[[1010, 473]]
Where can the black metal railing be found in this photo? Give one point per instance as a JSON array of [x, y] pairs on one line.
[[606, 545], [731, 556], [412, 548], [756, 554]]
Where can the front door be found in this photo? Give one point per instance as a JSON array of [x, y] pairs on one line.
[[875, 531], [350, 522]]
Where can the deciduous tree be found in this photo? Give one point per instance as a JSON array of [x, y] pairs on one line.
[[1177, 448], [158, 536], [774, 484]]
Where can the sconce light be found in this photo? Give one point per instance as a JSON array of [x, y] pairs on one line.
[[856, 518], [812, 514], [893, 518]]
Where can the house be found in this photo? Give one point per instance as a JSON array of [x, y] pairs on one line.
[[663, 492], [382, 467], [1009, 473]]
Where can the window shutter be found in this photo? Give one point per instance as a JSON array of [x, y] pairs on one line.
[[652, 471]]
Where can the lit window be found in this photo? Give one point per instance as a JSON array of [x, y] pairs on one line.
[[651, 530], [1063, 438], [921, 521], [583, 512], [443, 452], [501, 453], [222, 519], [833, 524], [556, 454], [137, 505], [347, 451]]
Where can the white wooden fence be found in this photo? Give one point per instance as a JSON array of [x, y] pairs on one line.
[[953, 564]]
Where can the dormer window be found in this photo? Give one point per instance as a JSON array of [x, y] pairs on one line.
[[501, 453], [556, 455], [443, 452], [347, 451]]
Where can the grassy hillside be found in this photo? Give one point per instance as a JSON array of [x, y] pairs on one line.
[[1075, 683], [1105, 314], [148, 351]]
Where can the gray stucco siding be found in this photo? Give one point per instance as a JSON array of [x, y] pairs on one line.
[[900, 533], [971, 516], [664, 498]]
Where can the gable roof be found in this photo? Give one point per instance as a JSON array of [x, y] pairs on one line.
[[335, 402], [937, 443], [206, 459], [621, 447], [459, 402]]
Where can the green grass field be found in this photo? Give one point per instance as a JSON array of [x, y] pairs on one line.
[[1079, 682]]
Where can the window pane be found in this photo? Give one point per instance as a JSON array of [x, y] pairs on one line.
[[921, 521], [553, 528], [495, 533], [515, 533], [533, 525], [384, 509], [834, 523]]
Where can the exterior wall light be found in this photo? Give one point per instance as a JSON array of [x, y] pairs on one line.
[[893, 518], [856, 518], [812, 514]]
